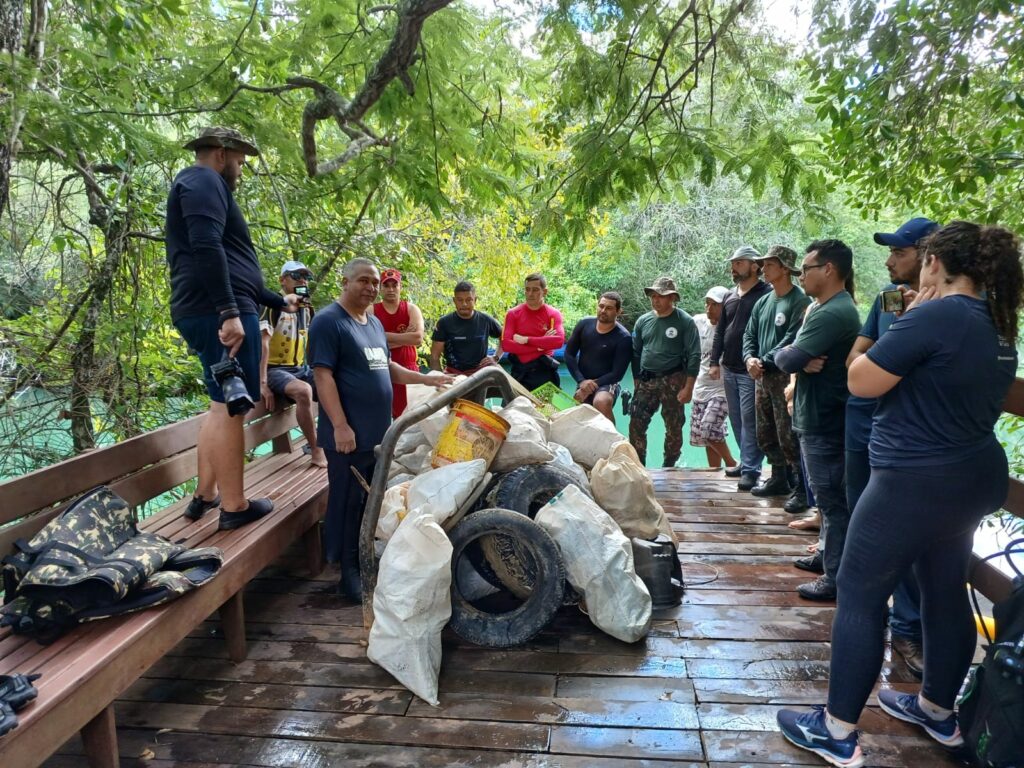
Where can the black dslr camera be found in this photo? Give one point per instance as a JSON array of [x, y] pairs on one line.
[[231, 378], [302, 292]]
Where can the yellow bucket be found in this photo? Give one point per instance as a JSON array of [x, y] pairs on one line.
[[472, 432]]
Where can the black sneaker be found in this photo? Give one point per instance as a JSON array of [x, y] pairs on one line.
[[912, 652], [810, 563], [820, 589], [199, 507], [747, 481], [733, 471], [257, 508]]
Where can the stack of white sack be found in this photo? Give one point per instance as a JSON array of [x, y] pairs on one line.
[[623, 488]]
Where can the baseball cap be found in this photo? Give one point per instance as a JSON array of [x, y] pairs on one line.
[[717, 294], [390, 274], [296, 266], [748, 252], [219, 136], [909, 234]]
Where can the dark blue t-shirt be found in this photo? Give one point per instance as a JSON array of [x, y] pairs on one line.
[[603, 357], [956, 373], [212, 260], [860, 410], [357, 354], [465, 341]]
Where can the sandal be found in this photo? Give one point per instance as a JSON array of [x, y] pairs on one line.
[[17, 690]]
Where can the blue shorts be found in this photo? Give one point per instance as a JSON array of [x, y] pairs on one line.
[[280, 376], [200, 333]]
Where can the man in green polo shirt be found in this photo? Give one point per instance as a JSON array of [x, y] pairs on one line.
[[774, 322], [818, 358], [666, 360]]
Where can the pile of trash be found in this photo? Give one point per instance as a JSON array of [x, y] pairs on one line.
[[556, 517]]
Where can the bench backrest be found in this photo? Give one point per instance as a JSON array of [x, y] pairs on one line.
[[138, 469]]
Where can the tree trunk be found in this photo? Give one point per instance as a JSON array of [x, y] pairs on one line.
[[12, 31]]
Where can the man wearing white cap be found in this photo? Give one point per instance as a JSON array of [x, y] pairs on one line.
[[710, 407], [283, 368], [727, 361]]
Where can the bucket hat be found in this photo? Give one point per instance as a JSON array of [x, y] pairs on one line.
[[663, 286], [219, 136], [785, 255]]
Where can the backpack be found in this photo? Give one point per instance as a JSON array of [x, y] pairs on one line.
[[91, 562], [991, 711]]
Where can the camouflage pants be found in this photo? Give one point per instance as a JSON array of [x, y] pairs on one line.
[[775, 434], [648, 396]]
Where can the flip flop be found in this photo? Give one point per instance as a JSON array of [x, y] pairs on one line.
[[17, 690]]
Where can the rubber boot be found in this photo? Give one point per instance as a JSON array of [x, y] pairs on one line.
[[776, 485]]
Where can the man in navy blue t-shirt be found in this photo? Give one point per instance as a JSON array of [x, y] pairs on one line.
[[353, 370], [216, 289], [598, 353]]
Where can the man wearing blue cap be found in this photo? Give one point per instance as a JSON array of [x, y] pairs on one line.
[[904, 265]]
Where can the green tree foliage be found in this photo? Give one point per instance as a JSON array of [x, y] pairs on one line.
[[926, 104]]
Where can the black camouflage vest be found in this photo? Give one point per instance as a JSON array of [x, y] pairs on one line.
[[92, 561]]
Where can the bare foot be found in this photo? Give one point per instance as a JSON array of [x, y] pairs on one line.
[[811, 523], [812, 548], [317, 457]]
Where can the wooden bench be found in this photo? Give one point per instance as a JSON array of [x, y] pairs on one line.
[[988, 579], [86, 669]]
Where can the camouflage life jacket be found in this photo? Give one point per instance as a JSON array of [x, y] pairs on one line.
[[91, 562]]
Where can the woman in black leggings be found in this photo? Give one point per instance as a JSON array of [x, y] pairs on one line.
[[941, 373]]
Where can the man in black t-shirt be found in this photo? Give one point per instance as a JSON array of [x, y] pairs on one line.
[[216, 289], [462, 336], [598, 353]]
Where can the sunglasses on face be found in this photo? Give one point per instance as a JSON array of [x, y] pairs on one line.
[[298, 275]]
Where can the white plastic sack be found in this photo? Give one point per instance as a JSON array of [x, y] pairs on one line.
[[564, 460], [410, 440], [599, 563], [417, 462], [396, 478], [525, 406], [587, 434], [412, 604], [440, 492], [392, 511], [623, 489], [433, 426], [415, 394], [524, 444]]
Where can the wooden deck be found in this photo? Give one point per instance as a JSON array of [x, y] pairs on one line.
[[702, 690]]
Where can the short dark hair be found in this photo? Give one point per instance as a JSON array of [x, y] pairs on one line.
[[536, 276], [464, 286], [834, 252], [613, 296]]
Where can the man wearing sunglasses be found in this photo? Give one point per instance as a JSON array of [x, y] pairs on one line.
[[283, 368]]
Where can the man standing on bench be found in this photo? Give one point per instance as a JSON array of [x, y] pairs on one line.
[[353, 370], [216, 289]]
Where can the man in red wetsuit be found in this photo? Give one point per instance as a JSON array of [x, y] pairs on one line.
[[403, 327], [533, 330]]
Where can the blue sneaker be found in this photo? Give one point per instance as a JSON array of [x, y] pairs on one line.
[[904, 706], [807, 730]]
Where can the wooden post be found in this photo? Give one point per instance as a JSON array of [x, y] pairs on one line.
[[232, 619], [311, 539], [100, 739], [282, 443]]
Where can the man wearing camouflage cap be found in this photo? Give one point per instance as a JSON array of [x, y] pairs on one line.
[[774, 322], [666, 360], [216, 291]]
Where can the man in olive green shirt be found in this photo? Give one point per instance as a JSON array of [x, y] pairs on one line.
[[818, 357], [774, 322], [666, 360]]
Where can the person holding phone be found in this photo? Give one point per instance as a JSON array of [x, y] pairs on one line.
[[940, 373], [904, 265]]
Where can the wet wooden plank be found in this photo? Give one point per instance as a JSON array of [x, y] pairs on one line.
[[633, 689], [627, 743], [593, 711], [788, 692]]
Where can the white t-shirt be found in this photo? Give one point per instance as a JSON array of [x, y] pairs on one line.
[[706, 387]]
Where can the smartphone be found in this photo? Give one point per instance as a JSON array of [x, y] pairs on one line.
[[303, 293], [892, 301]]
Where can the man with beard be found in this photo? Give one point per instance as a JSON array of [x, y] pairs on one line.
[[727, 361], [216, 289], [904, 265], [462, 336], [604, 349], [353, 369]]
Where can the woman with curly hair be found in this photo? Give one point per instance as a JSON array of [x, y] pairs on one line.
[[941, 373]]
